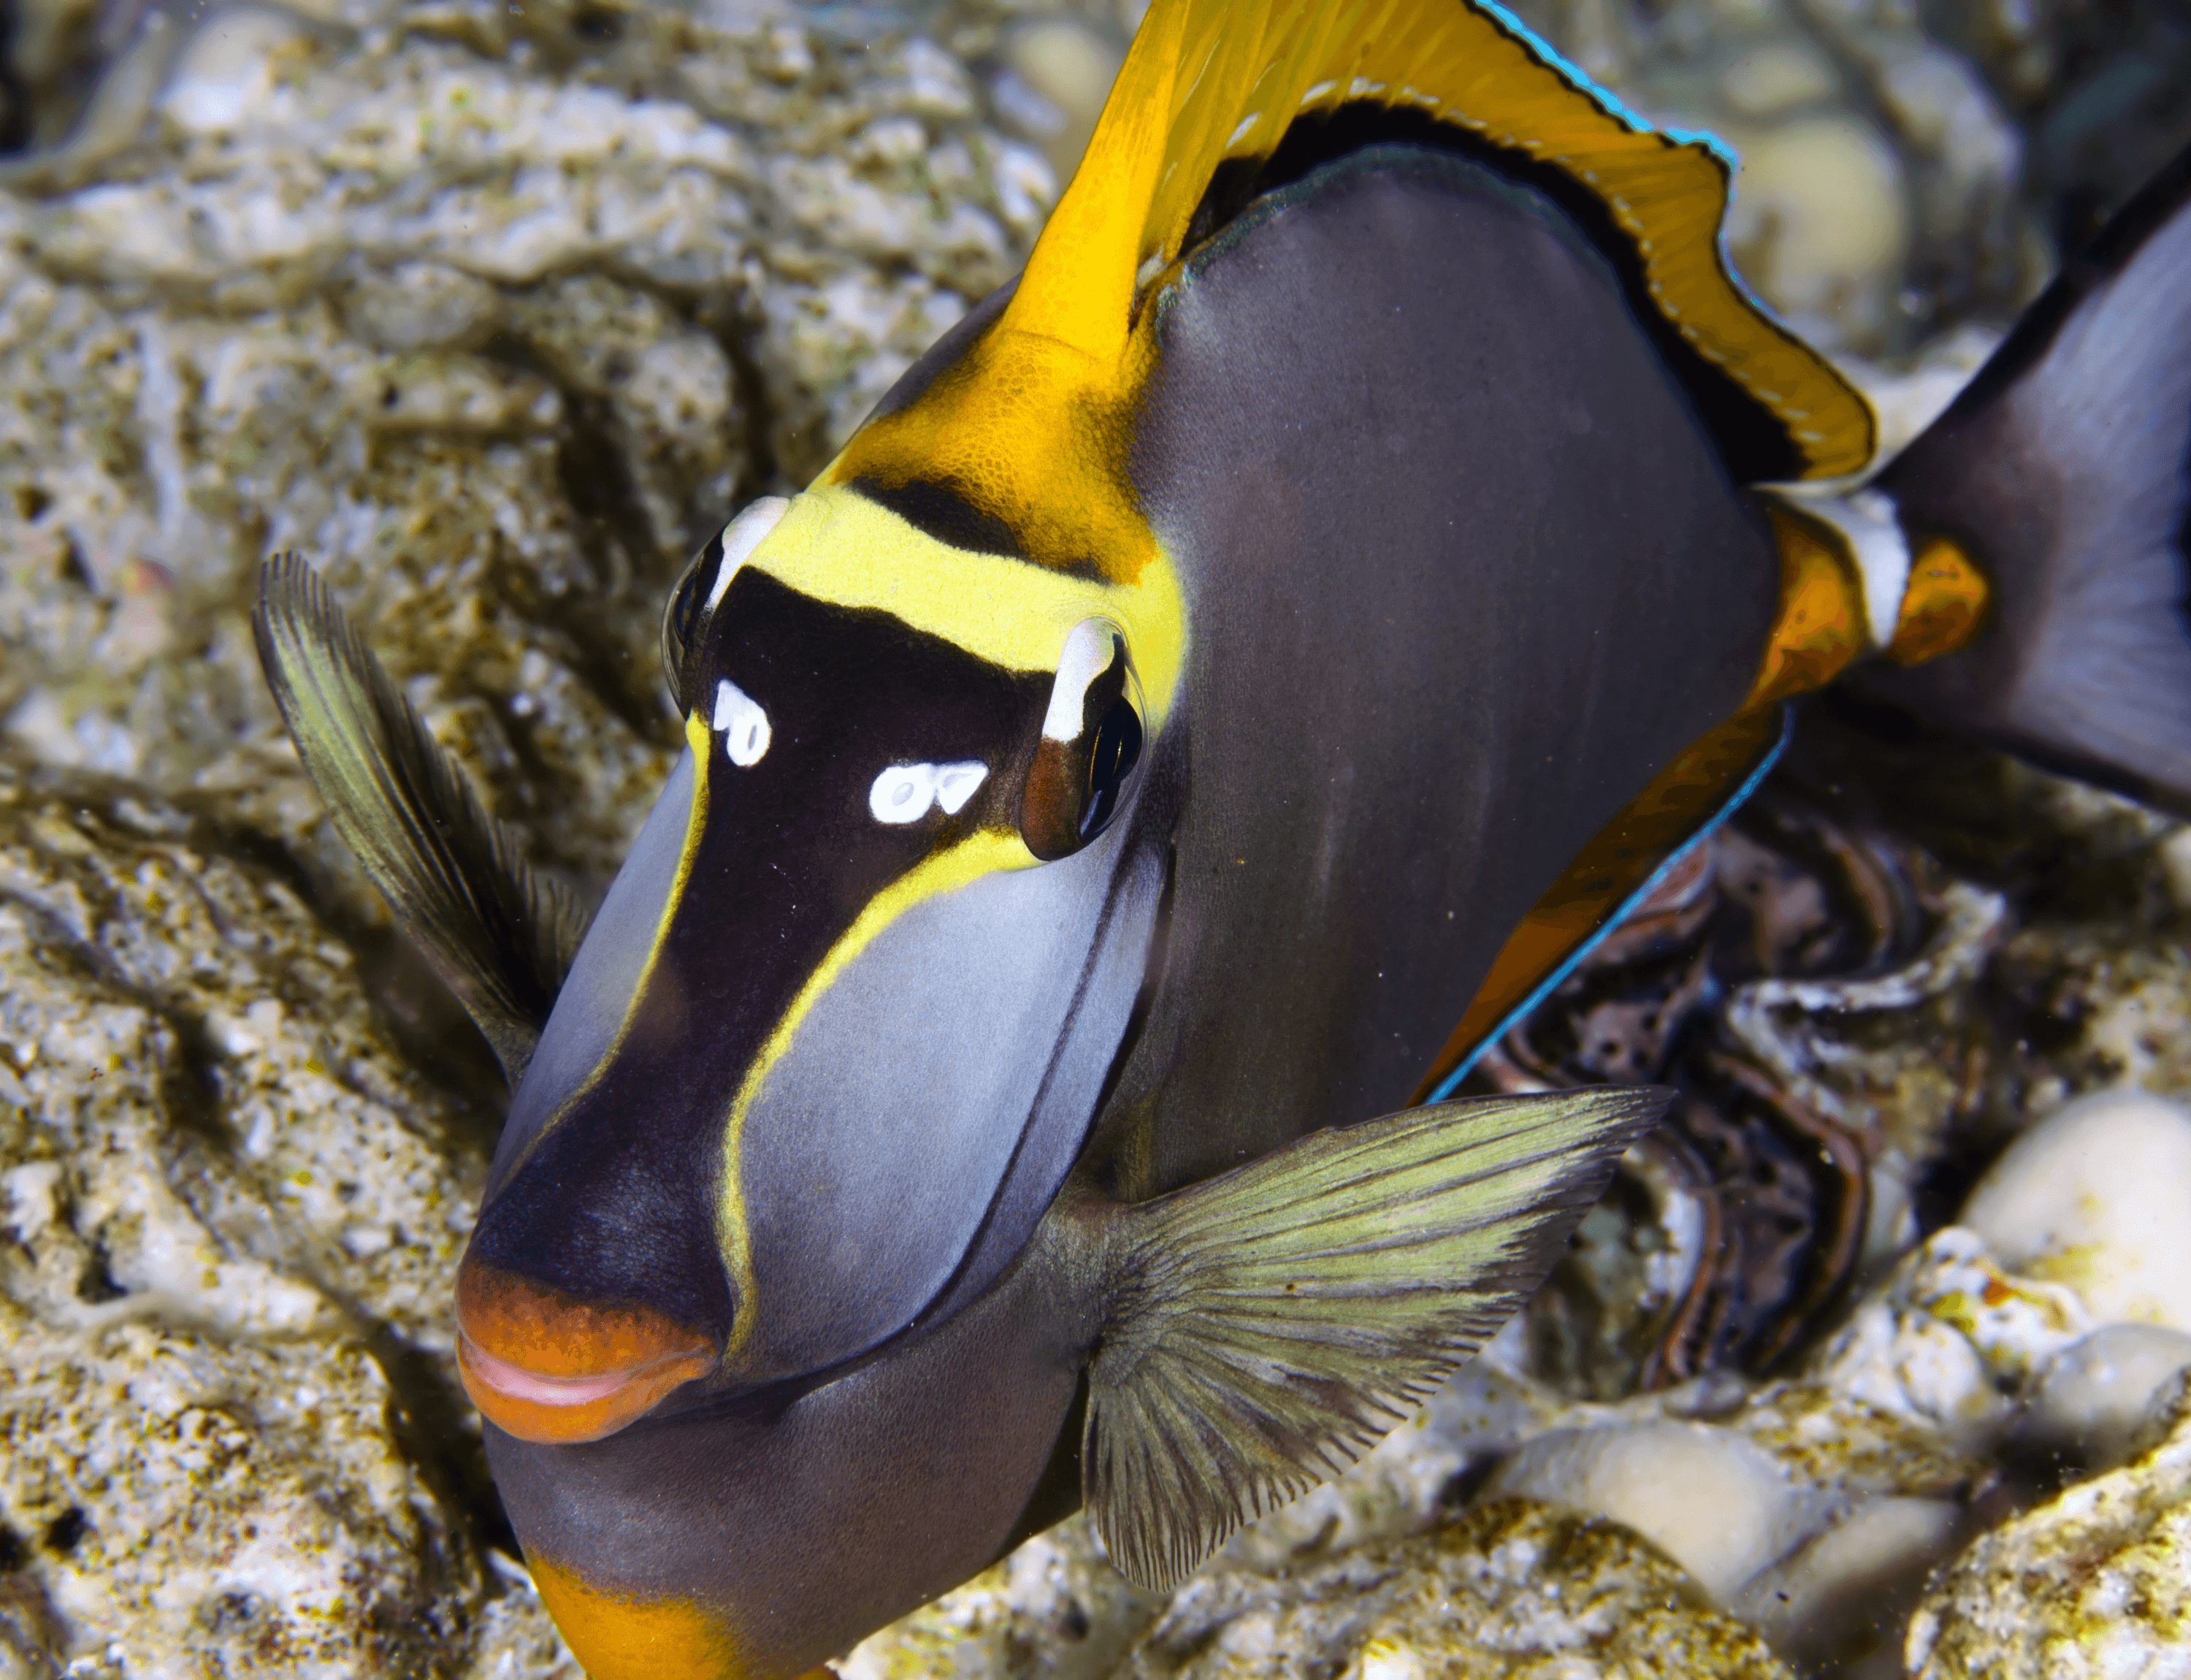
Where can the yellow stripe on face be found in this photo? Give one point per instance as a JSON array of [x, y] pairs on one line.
[[836, 546], [984, 853]]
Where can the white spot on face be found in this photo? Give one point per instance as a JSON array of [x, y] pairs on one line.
[[744, 723], [955, 784], [906, 793], [903, 793]]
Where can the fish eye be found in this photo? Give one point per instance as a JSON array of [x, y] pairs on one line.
[[1091, 742], [685, 621]]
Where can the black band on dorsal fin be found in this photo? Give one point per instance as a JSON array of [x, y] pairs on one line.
[[1752, 440]]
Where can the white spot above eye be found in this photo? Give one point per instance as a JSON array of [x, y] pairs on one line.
[[1088, 653], [744, 723], [741, 537], [906, 793]]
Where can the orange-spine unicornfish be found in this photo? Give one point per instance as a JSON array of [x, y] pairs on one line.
[[1230, 675]]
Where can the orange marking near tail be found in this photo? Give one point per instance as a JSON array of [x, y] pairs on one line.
[[1942, 608], [1821, 626]]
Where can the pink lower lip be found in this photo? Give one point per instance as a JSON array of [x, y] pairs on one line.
[[520, 1384]]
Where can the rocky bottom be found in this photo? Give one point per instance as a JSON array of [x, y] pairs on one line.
[[234, 1206]]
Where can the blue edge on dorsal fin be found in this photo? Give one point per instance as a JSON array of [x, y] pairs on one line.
[[1552, 981]]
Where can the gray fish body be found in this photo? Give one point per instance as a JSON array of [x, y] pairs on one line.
[[1443, 629]]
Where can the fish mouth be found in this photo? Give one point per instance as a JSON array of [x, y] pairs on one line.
[[546, 1368], [566, 1410]]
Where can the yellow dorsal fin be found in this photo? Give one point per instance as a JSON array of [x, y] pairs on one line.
[[1032, 422], [1230, 79]]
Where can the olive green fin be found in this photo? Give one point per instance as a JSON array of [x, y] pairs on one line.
[[1266, 1328], [502, 936]]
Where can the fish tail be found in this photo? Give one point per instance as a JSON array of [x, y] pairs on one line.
[[2048, 515]]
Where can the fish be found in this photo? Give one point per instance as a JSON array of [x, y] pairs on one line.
[[1233, 674]]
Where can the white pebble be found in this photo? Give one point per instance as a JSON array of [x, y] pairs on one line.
[[2093, 1197], [2098, 1397], [1778, 77], [1065, 62], [1825, 1602], [1819, 207], [29, 1190], [1714, 1502], [226, 74]]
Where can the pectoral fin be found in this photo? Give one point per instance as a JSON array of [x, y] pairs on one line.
[[1264, 1328], [500, 936]]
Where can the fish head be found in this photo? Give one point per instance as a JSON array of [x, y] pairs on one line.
[[845, 1016]]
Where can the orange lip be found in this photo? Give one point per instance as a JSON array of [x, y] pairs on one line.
[[546, 1367]]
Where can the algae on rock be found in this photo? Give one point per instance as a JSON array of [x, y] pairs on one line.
[[2095, 1583], [230, 1437]]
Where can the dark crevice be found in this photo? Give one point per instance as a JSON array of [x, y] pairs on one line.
[[189, 1079], [433, 1034], [614, 533], [188, 1084], [15, 95], [597, 482], [65, 1530], [74, 568], [97, 1286], [734, 331], [431, 1422], [598, 25]]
